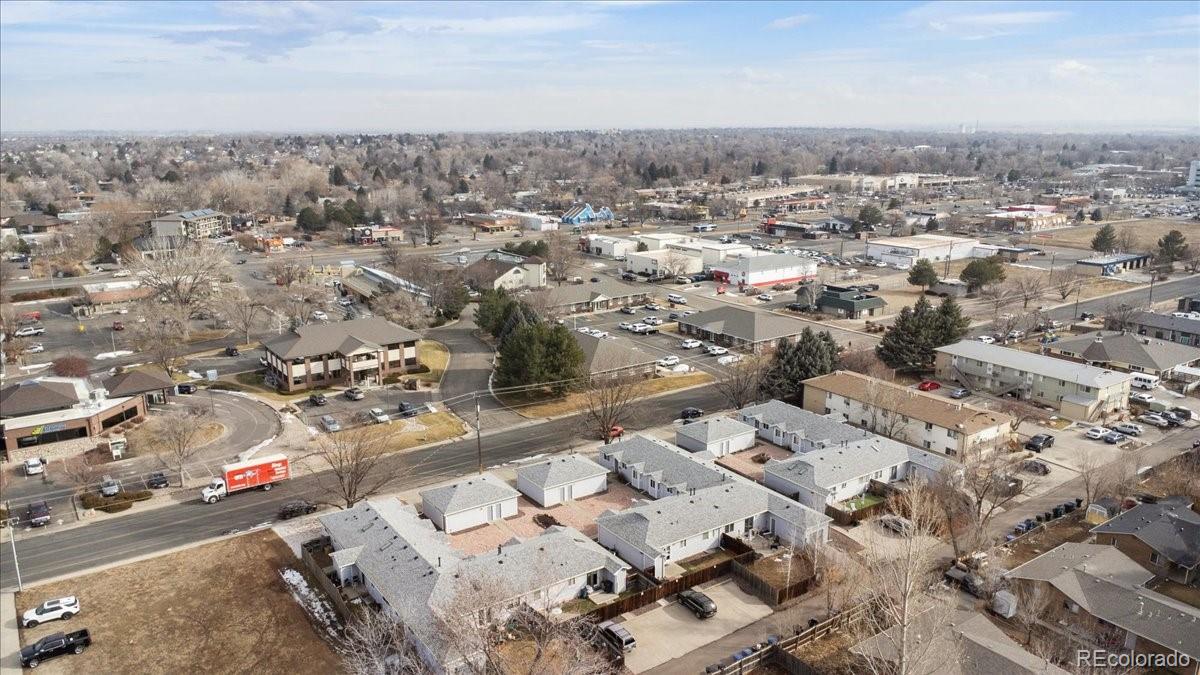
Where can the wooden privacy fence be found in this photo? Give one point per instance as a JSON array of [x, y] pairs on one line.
[[778, 652], [315, 555], [769, 593]]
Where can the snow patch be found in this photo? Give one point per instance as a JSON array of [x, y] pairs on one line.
[[314, 605], [113, 355]]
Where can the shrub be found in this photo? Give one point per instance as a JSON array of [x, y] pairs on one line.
[[760, 458], [116, 503], [226, 386], [42, 294]]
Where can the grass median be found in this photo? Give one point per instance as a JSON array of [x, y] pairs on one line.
[[544, 404], [399, 435]]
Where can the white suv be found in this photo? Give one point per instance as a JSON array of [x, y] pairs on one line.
[[51, 610], [34, 466], [690, 343]]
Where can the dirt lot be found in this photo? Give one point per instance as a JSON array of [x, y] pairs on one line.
[[1061, 531], [580, 514], [1147, 230], [144, 439], [221, 608], [783, 568]]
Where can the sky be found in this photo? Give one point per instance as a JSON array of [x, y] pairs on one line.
[[493, 66]]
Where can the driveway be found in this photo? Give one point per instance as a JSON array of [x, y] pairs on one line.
[[669, 631], [469, 370]]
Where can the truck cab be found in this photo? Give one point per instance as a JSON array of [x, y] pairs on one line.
[[215, 491]]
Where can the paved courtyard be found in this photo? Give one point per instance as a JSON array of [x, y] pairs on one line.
[[743, 462]]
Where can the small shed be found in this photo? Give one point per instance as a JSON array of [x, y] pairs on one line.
[[719, 436], [562, 479], [469, 503], [1102, 510]]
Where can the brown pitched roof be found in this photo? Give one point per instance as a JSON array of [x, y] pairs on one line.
[[327, 338], [138, 381], [603, 355], [487, 271], [918, 405], [35, 396]]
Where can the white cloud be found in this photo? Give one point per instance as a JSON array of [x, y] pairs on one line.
[[501, 25], [788, 22], [967, 22], [26, 12], [1072, 68]]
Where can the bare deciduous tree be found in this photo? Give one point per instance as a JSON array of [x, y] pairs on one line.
[[742, 384], [161, 332], [1029, 287], [607, 402], [882, 400], [184, 276], [1120, 316], [287, 273], [402, 308], [1091, 472], [373, 643], [867, 362], [178, 435], [354, 465], [241, 312], [988, 481], [1065, 282], [1019, 411], [675, 263], [997, 297], [562, 254]]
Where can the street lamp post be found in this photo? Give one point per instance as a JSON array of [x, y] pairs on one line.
[[12, 540]]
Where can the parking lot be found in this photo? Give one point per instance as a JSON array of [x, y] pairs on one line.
[[667, 630], [351, 413]]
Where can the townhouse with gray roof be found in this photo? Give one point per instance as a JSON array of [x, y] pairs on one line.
[[1077, 391], [382, 548], [797, 429], [660, 469], [1182, 329], [1164, 537], [469, 503], [1098, 591], [561, 479], [717, 436], [831, 475], [1126, 351]]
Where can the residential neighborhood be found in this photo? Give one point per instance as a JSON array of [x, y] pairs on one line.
[[600, 338]]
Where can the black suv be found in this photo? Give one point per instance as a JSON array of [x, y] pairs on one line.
[[700, 604], [410, 409], [296, 508], [1039, 442], [691, 413], [38, 514], [157, 480], [56, 644], [317, 399], [232, 351], [186, 388]]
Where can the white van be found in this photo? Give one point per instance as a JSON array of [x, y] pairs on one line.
[[1144, 381], [676, 298]]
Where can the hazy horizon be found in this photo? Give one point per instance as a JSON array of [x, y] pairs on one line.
[[357, 67]]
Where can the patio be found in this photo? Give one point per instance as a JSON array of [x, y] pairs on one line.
[[743, 462], [580, 514]]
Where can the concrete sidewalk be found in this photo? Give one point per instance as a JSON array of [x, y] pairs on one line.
[[10, 640]]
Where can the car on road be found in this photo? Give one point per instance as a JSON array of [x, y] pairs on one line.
[[1087, 316], [765, 297], [53, 646], [1112, 438], [1128, 428], [157, 480], [690, 343], [1154, 419], [296, 508], [232, 351], [1016, 334], [329, 424], [717, 350], [320, 315], [118, 325], [599, 333], [51, 610], [729, 359], [959, 392], [1095, 433], [33, 466], [698, 603], [29, 331], [668, 361], [110, 487], [628, 310], [1039, 442], [690, 413], [928, 385], [185, 388], [617, 634], [897, 524], [241, 261], [584, 329], [625, 325], [377, 416], [1142, 398], [35, 348], [676, 299], [317, 399], [1036, 467], [986, 339], [38, 514], [629, 276], [354, 394]]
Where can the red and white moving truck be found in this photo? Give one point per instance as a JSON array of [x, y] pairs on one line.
[[260, 472]]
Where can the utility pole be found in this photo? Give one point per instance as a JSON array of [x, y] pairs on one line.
[[12, 539], [1150, 300], [1078, 288], [478, 440]]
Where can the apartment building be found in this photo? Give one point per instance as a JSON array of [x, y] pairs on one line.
[[1178, 327], [362, 351], [197, 224], [931, 422], [1077, 391]]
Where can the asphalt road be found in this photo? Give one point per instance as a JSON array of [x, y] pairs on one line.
[[107, 541]]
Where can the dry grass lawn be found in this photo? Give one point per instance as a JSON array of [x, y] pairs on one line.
[[1070, 529], [783, 568], [533, 406], [435, 356], [220, 608], [409, 433], [147, 436], [1147, 230]]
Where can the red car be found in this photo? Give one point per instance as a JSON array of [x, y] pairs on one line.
[[117, 325], [928, 385]]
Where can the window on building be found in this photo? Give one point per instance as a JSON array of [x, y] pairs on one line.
[[928, 426], [1155, 558]]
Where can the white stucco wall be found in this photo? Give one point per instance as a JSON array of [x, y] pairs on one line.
[[554, 495], [463, 520], [719, 448]]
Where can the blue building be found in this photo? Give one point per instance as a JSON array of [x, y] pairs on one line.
[[584, 213]]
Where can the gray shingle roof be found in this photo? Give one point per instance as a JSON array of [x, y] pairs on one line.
[[1108, 585], [560, 471], [744, 324], [316, 339], [1137, 350], [468, 494], [1036, 363], [602, 355], [573, 294], [825, 468], [1166, 322], [39, 395], [138, 381], [713, 430], [652, 527], [672, 466], [1170, 527], [820, 429], [556, 554]]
